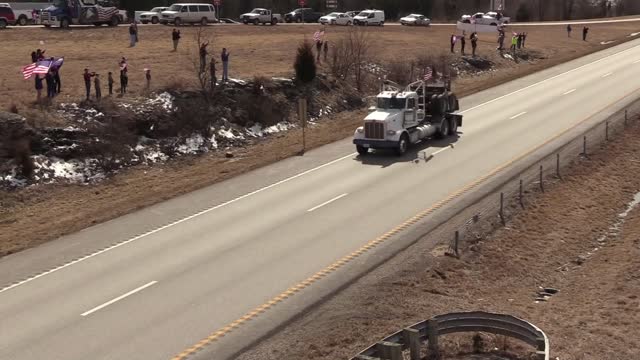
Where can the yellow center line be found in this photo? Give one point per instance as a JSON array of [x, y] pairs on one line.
[[374, 243]]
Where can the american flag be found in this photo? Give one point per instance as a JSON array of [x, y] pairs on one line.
[[428, 75], [106, 13], [318, 36], [40, 67]]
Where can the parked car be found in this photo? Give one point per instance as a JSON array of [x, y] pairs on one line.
[[415, 20], [260, 16], [490, 18], [369, 17], [23, 17], [303, 15], [179, 14], [336, 18], [7, 17], [152, 16]]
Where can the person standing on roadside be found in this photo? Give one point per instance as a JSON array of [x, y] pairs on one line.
[[585, 31], [463, 43], [203, 56], [133, 37], [147, 76], [38, 87], [110, 82], [501, 37], [519, 41], [514, 43], [175, 36], [124, 77], [453, 43], [51, 85], [569, 30], [474, 43], [524, 38], [225, 64], [96, 83], [325, 50], [87, 81]]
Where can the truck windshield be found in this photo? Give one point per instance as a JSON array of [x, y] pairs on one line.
[[175, 7], [390, 103], [59, 3], [365, 13]]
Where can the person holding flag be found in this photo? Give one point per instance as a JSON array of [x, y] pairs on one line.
[[317, 37]]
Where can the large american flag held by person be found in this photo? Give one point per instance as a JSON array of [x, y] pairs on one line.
[[40, 67], [317, 37], [428, 75]]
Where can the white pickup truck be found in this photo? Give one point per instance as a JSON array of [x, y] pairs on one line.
[[490, 18], [260, 16]]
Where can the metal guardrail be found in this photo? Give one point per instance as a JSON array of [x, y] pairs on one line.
[[412, 338]]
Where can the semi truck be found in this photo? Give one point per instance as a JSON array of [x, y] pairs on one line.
[[64, 13], [403, 117]]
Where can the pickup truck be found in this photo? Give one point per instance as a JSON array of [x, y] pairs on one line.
[[260, 16], [303, 15]]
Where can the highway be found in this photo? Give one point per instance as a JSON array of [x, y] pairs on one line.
[[153, 283]]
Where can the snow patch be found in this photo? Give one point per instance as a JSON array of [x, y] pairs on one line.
[[192, 145]]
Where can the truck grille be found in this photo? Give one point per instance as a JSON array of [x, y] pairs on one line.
[[44, 16], [373, 130]]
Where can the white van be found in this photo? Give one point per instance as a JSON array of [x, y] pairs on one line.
[[369, 17], [179, 14]]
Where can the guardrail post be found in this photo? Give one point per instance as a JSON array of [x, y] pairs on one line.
[[389, 350], [606, 130], [541, 175], [456, 242], [625, 117], [502, 209], [558, 166], [432, 333], [542, 349], [412, 341], [521, 196]]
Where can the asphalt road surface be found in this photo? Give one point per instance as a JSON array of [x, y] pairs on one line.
[[153, 283]]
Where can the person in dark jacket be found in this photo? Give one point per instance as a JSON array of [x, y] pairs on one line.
[[474, 43], [175, 36], [87, 81], [569, 30], [110, 82], [225, 64], [51, 85], [133, 35], [34, 57], [585, 31], [463, 43], [203, 56]]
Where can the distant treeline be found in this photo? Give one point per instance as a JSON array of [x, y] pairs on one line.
[[522, 10]]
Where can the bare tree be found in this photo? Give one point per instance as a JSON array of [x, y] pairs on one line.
[[204, 65], [350, 55]]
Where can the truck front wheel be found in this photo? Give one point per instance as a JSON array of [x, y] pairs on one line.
[[256, 22], [114, 21], [403, 145], [64, 23], [362, 150]]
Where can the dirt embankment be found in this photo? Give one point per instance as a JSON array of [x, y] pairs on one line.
[[563, 240], [34, 215]]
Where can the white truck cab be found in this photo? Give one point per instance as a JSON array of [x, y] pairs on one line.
[[405, 117]]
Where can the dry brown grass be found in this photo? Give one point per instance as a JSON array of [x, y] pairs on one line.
[[264, 51]]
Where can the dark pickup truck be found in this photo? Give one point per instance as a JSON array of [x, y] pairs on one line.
[[303, 15]]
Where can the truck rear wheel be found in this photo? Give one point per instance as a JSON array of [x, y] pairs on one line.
[[22, 21], [443, 131], [114, 21], [3, 24], [403, 145], [274, 21], [453, 127], [362, 150]]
